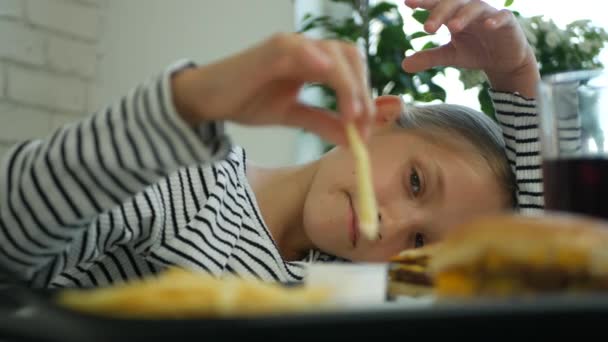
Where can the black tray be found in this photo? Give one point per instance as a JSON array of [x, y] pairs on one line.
[[28, 316]]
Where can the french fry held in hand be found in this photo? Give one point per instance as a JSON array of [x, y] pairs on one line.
[[368, 213]]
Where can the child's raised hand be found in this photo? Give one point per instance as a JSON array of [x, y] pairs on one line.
[[260, 86], [482, 37]]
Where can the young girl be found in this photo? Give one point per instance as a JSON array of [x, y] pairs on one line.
[[153, 181]]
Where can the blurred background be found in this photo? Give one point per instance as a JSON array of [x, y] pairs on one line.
[[61, 60]]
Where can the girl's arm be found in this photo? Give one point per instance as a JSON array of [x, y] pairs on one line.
[[52, 189], [518, 118]]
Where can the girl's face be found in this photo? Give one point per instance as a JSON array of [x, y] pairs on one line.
[[424, 184]]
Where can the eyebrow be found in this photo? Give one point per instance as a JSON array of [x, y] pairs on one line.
[[436, 189], [438, 177]]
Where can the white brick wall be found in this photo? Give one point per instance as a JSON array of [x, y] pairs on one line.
[[2, 82], [11, 8], [21, 43], [72, 56], [98, 3], [41, 88], [3, 149], [68, 17], [20, 123], [48, 64], [60, 120]]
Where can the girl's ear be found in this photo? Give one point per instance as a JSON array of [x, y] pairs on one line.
[[388, 109]]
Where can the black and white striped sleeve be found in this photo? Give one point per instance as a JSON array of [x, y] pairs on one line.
[[52, 189], [518, 118]]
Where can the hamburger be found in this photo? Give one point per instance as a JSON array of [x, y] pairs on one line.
[[408, 273], [518, 255]]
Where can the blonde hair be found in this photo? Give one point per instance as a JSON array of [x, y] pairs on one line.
[[478, 129]]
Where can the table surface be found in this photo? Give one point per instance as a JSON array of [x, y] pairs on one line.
[[34, 318]]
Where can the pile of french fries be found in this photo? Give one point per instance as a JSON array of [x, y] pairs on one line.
[[178, 293]]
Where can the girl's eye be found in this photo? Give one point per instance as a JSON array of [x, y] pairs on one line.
[[415, 183], [418, 240]]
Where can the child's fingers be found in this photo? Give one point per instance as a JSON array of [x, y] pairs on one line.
[[294, 57], [318, 121], [424, 4], [343, 79], [359, 68], [467, 14], [322, 61], [429, 58], [441, 13], [502, 18], [336, 64]]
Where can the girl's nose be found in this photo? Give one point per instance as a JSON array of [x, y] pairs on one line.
[[380, 224], [401, 222]]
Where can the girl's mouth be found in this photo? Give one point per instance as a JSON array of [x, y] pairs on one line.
[[353, 228]]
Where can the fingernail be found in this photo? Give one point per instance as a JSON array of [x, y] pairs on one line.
[[365, 132], [403, 104], [372, 113], [357, 107], [491, 22], [322, 58], [456, 25]]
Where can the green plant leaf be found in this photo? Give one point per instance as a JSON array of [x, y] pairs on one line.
[[421, 16], [508, 3], [311, 22], [308, 26], [429, 45], [418, 34], [485, 102], [381, 8], [437, 92], [389, 70], [392, 39], [348, 2], [348, 30], [405, 81], [390, 21], [424, 76]]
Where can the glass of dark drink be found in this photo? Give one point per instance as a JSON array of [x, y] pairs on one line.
[[573, 109]]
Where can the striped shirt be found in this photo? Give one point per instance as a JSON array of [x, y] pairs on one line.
[[519, 121], [133, 189]]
